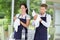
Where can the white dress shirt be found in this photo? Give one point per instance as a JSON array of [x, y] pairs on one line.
[[17, 21], [26, 15], [48, 20], [46, 24]]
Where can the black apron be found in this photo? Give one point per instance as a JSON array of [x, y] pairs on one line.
[[18, 34], [41, 31]]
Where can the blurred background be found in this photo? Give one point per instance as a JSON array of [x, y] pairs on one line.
[[9, 8]]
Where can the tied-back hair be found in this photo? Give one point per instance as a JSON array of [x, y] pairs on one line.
[[25, 7]]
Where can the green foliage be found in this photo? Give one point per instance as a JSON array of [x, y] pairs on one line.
[[50, 11], [5, 8], [35, 5], [49, 3]]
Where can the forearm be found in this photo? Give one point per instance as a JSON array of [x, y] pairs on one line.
[[46, 24], [24, 24]]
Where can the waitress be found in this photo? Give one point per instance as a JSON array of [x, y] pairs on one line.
[[24, 22], [45, 19]]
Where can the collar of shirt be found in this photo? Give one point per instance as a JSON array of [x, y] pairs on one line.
[[23, 16], [43, 15]]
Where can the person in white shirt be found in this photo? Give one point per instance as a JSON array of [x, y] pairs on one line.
[[24, 22], [44, 23]]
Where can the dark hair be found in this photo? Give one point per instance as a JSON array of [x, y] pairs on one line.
[[44, 5], [25, 7]]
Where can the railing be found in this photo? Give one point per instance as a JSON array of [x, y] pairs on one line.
[[1, 33]]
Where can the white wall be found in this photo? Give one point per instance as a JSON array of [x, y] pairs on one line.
[[57, 21]]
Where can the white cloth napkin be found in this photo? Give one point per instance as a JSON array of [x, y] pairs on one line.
[[33, 13], [16, 24], [36, 22]]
